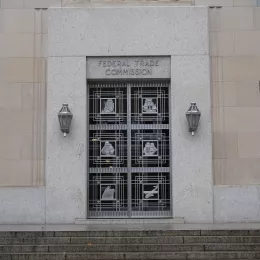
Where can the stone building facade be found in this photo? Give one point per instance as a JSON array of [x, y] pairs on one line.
[[33, 179]]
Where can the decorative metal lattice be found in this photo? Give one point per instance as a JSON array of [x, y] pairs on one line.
[[108, 148], [150, 103], [129, 154], [150, 193], [108, 195], [108, 103], [150, 148]]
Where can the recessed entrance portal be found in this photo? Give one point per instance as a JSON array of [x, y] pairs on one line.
[[129, 149], [113, 163]]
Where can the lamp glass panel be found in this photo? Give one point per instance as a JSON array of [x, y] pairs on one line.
[[68, 123], [194, 121], [189, 118], [63, 121]]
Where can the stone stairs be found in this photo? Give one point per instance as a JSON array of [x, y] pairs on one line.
[[139, 244]]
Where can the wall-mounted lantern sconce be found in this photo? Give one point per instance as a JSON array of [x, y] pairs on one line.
[[65, 117], [193, 117]]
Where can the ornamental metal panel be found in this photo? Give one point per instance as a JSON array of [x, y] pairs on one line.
[[129, 152]]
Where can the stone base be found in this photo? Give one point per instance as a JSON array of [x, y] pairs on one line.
[[129, 221]]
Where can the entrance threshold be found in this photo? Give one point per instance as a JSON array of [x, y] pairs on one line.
[[123, 227], [129, 221]]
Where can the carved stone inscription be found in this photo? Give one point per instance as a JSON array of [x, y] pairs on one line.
[[128, 67]]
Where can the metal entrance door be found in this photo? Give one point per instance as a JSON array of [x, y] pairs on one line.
[[129, 151]]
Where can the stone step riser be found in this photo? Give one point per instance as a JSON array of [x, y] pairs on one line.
[[221, 239], [99, 234], [101, 248], [134, 256], [35, 241], [153, 233], [127, 248], [57, 241], [129, 240], [130, 245]]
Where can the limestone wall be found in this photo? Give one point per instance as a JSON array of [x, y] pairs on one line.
[[234, 46], [235, 38], [23, 34]]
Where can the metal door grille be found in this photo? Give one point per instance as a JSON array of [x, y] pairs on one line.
[[129, 151]]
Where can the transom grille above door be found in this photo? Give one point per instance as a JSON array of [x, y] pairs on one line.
[[129, 150]]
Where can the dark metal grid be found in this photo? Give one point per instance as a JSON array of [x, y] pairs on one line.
[[150, 103], [108, 193], [108, 103], [100, 141], [150, 148], [142, 117], [150, 192], [125, 169]]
